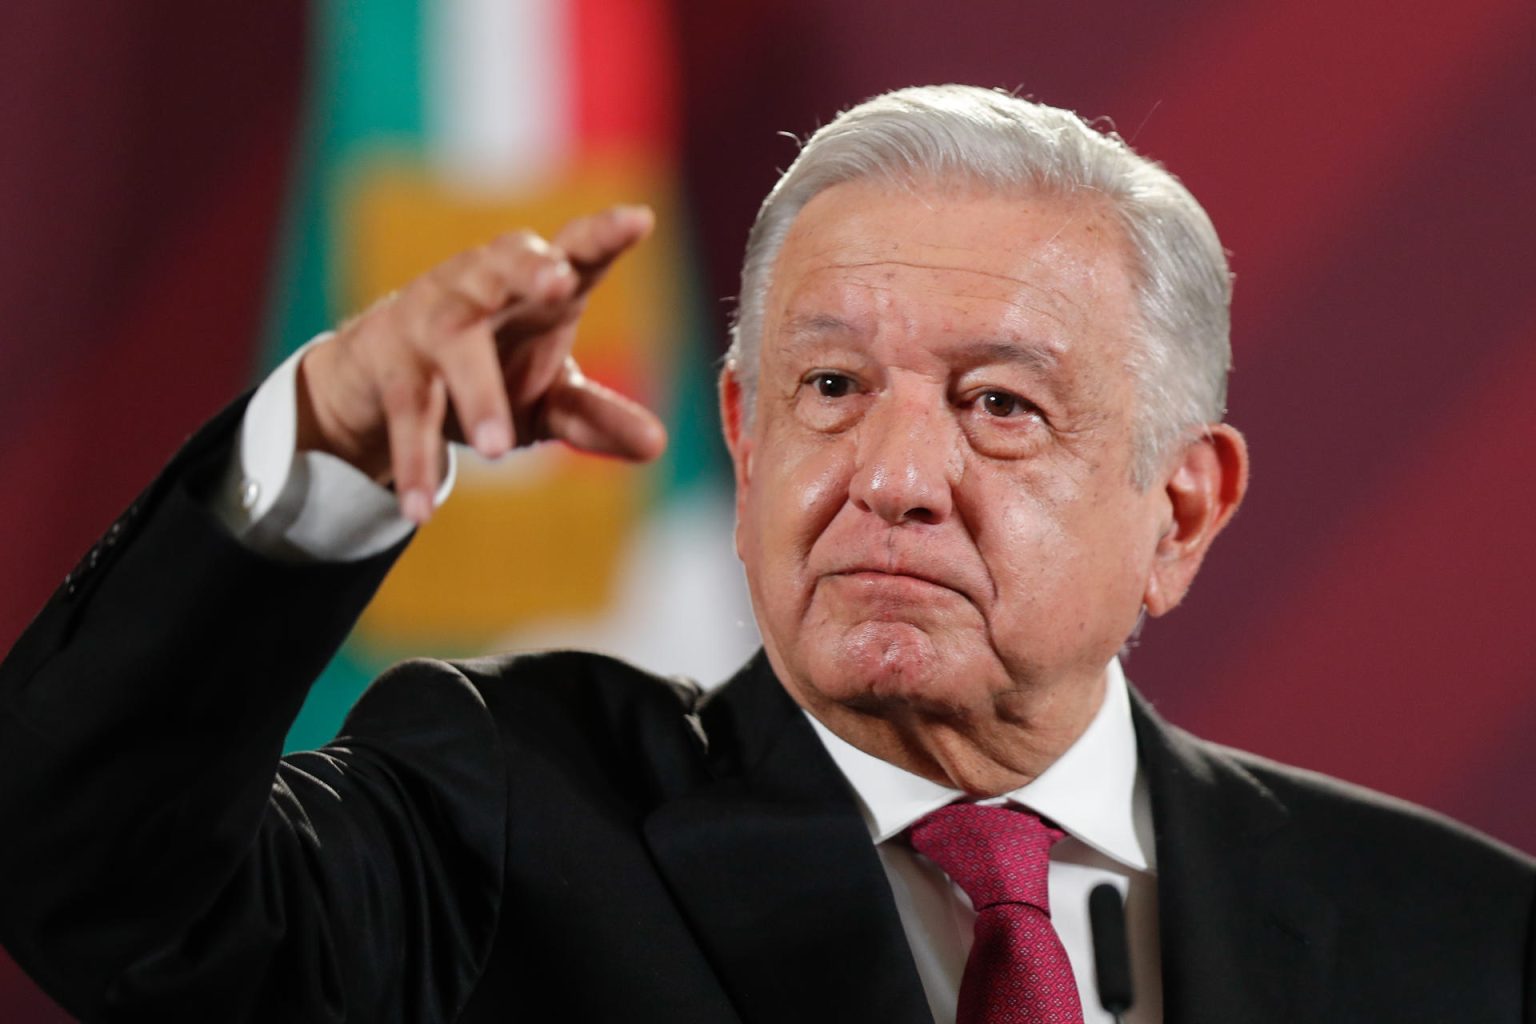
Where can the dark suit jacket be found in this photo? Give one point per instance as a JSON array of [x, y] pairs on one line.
[[563, 837]]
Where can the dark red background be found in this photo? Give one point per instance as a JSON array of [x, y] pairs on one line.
[[1371, 166]]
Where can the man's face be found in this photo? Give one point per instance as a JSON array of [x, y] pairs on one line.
[[935, 504]]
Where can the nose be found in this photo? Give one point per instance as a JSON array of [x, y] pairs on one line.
[[906, 457]]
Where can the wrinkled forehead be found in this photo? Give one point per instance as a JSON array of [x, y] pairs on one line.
[[1034, 267]]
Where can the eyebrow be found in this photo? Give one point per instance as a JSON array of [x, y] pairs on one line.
[[804, 324], [1034, 355], [804, 331]]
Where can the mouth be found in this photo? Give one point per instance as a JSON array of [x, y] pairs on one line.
[[887, 579]]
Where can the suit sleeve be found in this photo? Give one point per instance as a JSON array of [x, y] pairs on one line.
[[1530, 968], [160, 862]]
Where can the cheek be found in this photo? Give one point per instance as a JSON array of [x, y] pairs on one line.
[[1028, 552], [796, 490], [799, 491], [1064, 567], [1072, 574]]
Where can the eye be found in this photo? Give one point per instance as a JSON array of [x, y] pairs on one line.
[[830, 401], [1002, 404], [831, 385]]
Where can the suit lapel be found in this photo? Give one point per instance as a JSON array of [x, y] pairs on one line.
[[775, 870], [1243, 937]]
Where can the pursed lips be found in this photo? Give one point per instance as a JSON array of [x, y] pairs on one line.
[[876, 575]]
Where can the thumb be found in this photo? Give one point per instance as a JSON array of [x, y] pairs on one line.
[[594, 418]]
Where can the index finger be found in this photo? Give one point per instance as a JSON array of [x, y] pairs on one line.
[[592, 243]]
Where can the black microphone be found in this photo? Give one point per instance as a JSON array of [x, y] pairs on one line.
[[1111, 953]]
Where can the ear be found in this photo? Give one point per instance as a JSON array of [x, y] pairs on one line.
[[1203, 488], [738, 439]]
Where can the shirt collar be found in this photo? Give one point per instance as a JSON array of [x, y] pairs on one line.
[[1092, 790]]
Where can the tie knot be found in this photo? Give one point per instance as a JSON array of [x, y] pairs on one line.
[[996, 854]]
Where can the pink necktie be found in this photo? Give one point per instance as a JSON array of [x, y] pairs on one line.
[[1018, 972]]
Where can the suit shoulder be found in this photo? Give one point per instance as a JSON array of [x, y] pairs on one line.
[[576, 713], [1332, 811], [564, 676], [571, 677]]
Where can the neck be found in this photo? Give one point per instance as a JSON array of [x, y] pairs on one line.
[[987, 752]]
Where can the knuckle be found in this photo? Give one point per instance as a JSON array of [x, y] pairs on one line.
[[536, 251], [519, 241], [455, 264], [450, 311], [472, 263], [419, 296], [398, 318], [482, 281]]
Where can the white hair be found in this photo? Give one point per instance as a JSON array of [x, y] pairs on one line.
[[1002, 143]]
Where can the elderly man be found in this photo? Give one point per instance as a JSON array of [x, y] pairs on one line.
[[973, 404]]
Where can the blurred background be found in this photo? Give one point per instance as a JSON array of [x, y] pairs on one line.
[[192, 190]]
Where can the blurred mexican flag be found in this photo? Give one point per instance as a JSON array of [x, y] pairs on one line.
[[433, 127]]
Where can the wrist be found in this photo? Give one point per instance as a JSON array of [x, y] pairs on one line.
[[320, 427]]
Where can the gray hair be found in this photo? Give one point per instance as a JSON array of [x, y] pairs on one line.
[[1008, 144]]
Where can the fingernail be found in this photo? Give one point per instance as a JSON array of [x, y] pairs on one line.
[[491, 439], [552, 274], [417, 506]]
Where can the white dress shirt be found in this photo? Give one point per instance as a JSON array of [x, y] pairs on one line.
[[305, 506], [312, 506], [1094, 792]]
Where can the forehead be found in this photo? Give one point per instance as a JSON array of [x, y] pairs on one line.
[[872, 258]]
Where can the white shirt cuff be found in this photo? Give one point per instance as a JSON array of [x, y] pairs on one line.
[[305, 506]]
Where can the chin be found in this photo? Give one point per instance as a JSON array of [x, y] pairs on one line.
[[884, 668]]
